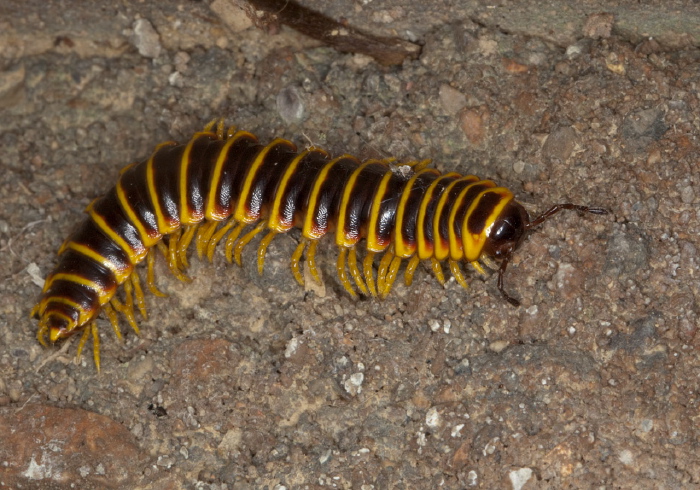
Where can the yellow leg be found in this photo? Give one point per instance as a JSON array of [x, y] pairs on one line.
[[128, 314], [138, 294], [245, 240], [184, 243], [150, 274], [296, 257], [437, 270], [204, 234], [478, 267], [391, 275], [129, 293], [95, 345], [262, 250], [417, 166], [422, 164], [83, 340], [163, 248], [355, 272], [369, 273], [231, 241], [173, 257], [112, 316], [214, 241], [311, 261], [342, 275], [457, 273], [210, 125], [381, 273], [411, 269]]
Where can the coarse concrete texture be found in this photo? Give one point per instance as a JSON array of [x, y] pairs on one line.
[[245, 382]]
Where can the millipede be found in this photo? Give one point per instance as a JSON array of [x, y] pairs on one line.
[[224, 187]]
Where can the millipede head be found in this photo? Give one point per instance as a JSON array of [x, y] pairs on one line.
[[509, 229]]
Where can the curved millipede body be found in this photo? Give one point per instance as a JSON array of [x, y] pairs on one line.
[[223, 187]]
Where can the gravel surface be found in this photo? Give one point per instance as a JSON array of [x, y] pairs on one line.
[[241, 381]]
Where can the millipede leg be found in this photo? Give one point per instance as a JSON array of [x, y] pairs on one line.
[[478, 267], [129, 307], [355, 272], [138, 294], [173, 258], [204, 234], [417, 166], [342, 275], [391, 275], [129, 293], [231, 241], [245, 240], [150, 274], [95, 345], [411, 269], [381, 273], [214, 241], [262, 250], [437, 270], [296, 257], [210, 125], [369, 273], [311, 261], [184, 243], [112, 317], [163, 248], [457, 273], [128, 314], [83, 340]]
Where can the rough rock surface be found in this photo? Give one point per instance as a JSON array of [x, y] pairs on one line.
[[240, 381]]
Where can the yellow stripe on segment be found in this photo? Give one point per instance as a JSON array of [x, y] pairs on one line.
[[186, 216], [373, 244], [102, 294], [58, 299], [147, 238], [441, 249], [425, 249], [275, 223], [308, 231], [403, 249], [241, 213], [119, 274], [473, 243], [135, 256], [164, 227], [341, 239], [210, 211], [456, 251]]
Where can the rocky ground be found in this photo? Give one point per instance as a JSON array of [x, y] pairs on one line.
[[246, 382]]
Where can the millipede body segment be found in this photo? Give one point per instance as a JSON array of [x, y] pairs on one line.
[[223, 187]]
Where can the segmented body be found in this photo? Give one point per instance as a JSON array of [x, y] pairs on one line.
[[225, 187]]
